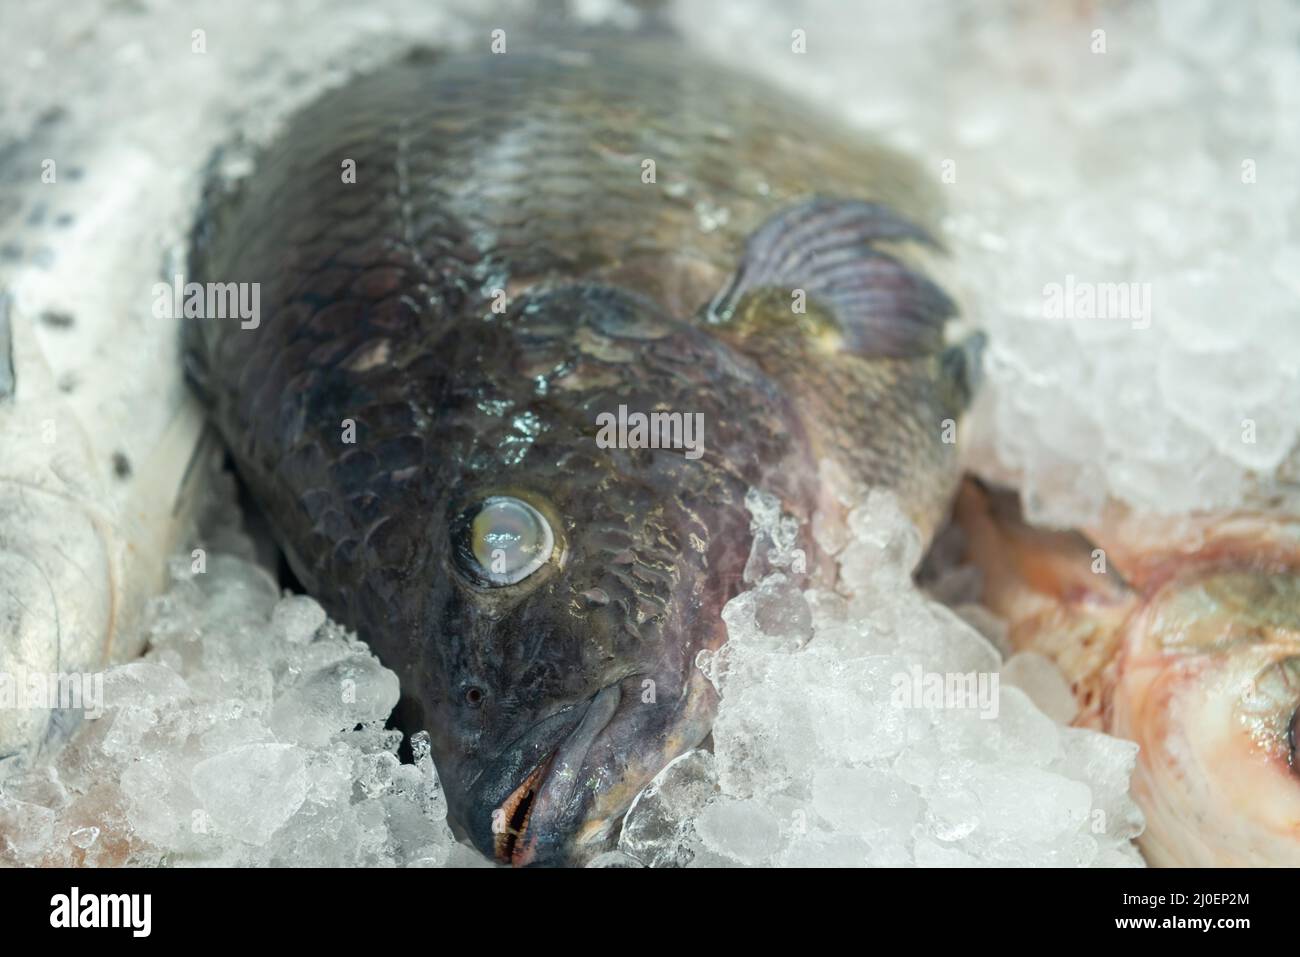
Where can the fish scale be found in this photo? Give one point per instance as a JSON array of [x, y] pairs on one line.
[[522, 173]]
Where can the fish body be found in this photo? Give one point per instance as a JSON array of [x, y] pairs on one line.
[[79, 559], [532, 242], [1182, 635], [85, 528]]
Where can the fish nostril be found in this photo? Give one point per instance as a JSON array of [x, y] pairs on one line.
[[474, 696]]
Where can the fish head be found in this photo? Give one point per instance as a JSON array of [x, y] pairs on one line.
[[1181, 634], [1208, 683], [572, 589], [566, 680]]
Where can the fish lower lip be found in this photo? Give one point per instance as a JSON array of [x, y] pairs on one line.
[[516, 809], [539, 789]]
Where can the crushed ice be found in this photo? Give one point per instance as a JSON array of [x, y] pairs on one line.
[[818, 760], [251, 733]]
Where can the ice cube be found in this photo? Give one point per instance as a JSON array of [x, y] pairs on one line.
[[252, 791], [297, 618], [658, 829], [745, 831], [337, 698]]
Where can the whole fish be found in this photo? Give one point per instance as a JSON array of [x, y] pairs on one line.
[[470, 265], [1183, 635]]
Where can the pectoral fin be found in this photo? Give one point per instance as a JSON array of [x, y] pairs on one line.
[[825, 255]]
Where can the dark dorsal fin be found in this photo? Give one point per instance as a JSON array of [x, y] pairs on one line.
[[825, 247]]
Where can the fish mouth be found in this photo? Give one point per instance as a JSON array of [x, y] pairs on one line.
[[536, 820], [516, 811]]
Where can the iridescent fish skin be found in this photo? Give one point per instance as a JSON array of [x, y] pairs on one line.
[[533, 240]]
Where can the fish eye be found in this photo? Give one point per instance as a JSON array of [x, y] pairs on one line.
[[1269, 708], [502, 540]]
